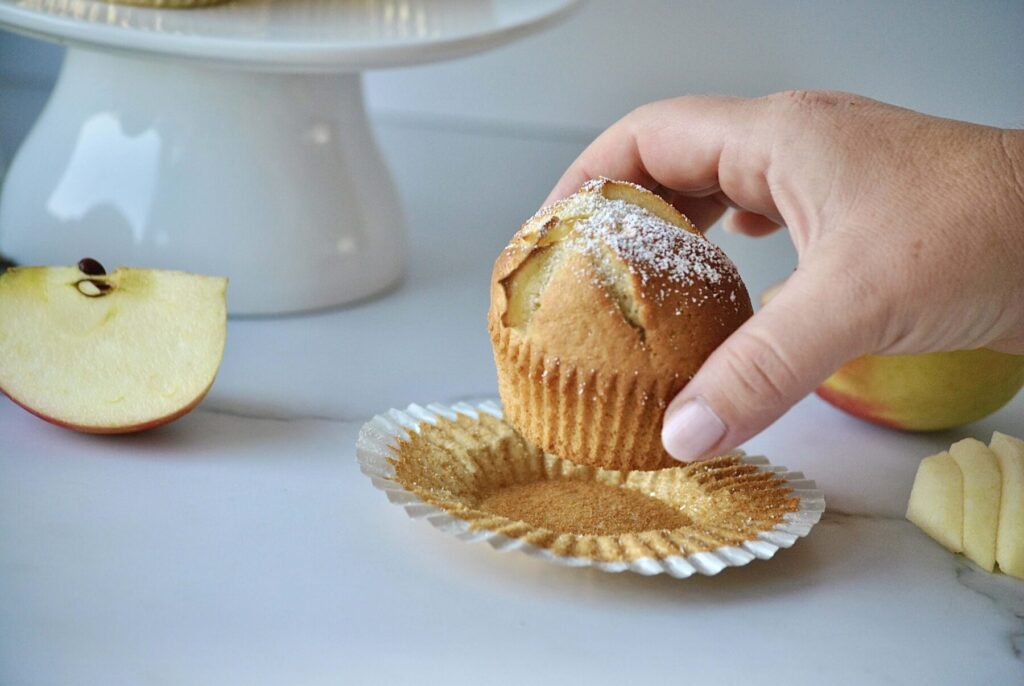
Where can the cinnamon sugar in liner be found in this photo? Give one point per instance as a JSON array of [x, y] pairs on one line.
[[469, 473]]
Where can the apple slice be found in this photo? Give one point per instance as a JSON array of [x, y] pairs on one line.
[[937, 501], [982, 486], [109, 353], [1010, 541]]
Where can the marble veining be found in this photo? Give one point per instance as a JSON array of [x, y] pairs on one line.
[[1006, 594]]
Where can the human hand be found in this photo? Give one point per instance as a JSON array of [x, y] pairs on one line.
[[909, 231]]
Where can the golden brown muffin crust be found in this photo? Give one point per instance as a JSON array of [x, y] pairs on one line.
[[603, 306], [616, 301]]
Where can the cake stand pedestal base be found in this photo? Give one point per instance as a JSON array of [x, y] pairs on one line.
[[273, 180]]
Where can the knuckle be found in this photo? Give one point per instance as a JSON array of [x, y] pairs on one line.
[[806, 98], [648, 119], [809, 106], [816, 101], [646, 112]]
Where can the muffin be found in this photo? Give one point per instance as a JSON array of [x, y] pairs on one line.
[[603, 306]]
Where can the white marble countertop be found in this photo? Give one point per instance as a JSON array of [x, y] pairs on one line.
[[241, 545]]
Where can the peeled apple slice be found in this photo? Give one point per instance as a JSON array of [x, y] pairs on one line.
[[1010, 540], [982, 487], [937, 501]]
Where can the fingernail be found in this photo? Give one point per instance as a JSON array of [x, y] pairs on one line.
[[729, 226], [691, 431]]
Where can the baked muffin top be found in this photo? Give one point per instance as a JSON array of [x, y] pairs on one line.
[[614, 277]]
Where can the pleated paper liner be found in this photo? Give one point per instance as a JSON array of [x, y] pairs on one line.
[[590, 417], [471, 475]]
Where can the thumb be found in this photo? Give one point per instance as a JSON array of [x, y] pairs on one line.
[[776, 358]]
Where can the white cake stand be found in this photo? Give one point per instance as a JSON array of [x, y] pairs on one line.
[[230, 140]]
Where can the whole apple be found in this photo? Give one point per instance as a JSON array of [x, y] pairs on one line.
[[923, 392]]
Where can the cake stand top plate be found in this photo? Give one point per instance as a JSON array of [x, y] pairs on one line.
[[289, 35]]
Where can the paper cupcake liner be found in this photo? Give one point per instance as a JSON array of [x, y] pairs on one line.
[[595, 418], [469, 474]]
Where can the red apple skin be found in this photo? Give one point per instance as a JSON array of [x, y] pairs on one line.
[[113, 430], [925, 392], [858, 407]]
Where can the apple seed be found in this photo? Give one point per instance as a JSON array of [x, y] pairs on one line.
[[91, 267], [91, 288]]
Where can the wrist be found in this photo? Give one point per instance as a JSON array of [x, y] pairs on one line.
[[1012, 142]]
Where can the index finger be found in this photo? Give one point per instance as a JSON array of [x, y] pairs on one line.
[[696, 146]]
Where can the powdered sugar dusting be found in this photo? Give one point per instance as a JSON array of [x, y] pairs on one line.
[[649, 246]]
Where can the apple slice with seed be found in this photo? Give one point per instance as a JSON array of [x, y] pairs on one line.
[[109, 353]]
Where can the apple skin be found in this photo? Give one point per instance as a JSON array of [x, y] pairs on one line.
[[925, 392], [111, 430]]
